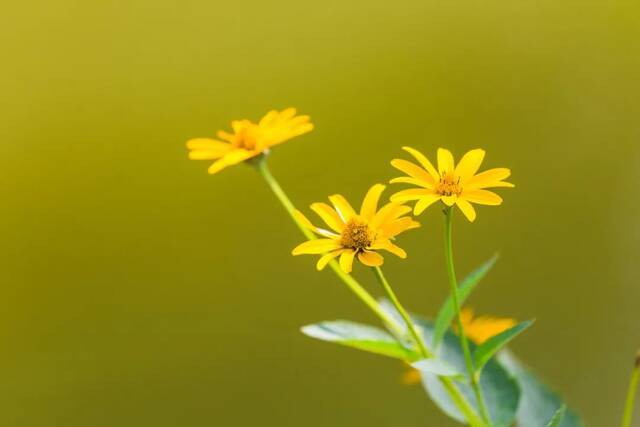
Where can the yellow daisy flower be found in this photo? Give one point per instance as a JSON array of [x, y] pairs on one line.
[[362, 234], [249, 139], [453, 184], [477, 329]]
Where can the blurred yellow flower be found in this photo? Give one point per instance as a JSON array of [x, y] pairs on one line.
[[459, 185], [480, 329], [249, 139], [362, 234], [477, 329]]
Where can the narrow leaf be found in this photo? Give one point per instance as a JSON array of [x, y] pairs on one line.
[[494, 344], [557, 417], [447, 311], [437, 367], [362, 337]]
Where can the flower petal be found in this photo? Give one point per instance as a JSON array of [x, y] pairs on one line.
[[410, 180], [370, 258], [346, 260], [232, 158], [329, 216], [449, 200], [424, 161], [445, 161], [326, 258], [313, 247], [412, 170], [469, 164], [343, 207], [392, 229], [425, 202], [207, 144], [490, 178], [412, 194], [467, 209], [388, 213], [390, 247], [299, 216], [482, 197], [370, 202]]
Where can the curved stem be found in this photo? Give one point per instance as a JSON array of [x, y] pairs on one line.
[[458, 399], [451, 272], [351, 283], [417, 338], [631, 394]]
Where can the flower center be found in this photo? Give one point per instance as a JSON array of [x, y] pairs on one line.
[[449, 185], [247, 137], [356, 235]]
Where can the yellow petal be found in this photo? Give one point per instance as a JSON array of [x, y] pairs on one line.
[[413, 181], [371, 259], [445, 161], [206, 144], [390, 247], [411, 194], [343, 207], [388, 213], [482, 197], [329, 216], [232, 158], [424, 161], [268, 118], [425, 202], [308, 224], [412, 170], [326, 258], [346, 260], [398, 226], [313, 247], [490, 178], [469, 164], [207, 154], [286, 114], [449, 200], [370, 202], [467, 209]]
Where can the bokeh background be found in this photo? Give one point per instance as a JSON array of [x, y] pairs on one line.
[[137, 290]]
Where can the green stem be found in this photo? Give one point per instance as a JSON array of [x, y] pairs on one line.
[[458, 399], [473, 378], [351, 283], [631, 394]]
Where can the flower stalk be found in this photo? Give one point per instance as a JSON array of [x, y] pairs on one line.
[[473, 378], [631, 393]]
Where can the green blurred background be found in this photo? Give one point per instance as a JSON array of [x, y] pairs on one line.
[[139, 291]]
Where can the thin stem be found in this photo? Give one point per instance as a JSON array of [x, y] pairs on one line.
[[473, 378], [417, 338], [458, 399], [631, 394], [355, 287]]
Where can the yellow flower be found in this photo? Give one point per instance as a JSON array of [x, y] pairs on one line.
[[480, 329], [351, 233], [459, 185], [249, 139]]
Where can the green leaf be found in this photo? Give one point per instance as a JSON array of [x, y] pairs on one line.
[[538, 403], [557, 417], [486, 350], [437, 367], [500, 390], [362, 337], [447, 311]]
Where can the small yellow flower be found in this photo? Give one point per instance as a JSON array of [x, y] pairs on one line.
[[480, 329], [477, 329], [249, 139], [354, 234], [459, 185]]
